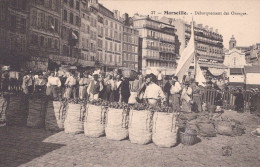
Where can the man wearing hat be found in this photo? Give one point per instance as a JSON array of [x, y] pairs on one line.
[[83, 85], [94, 88], [153, 93], [71, 86], [197, 105], [175, 93], [186, 98], [27, 83], [52, 85]]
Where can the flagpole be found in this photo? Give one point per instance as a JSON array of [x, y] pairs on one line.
[[195, 60]]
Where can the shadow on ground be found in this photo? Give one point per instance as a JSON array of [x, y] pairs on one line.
[[19, 145]]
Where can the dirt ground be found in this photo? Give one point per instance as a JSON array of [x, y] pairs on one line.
[[22, 146]]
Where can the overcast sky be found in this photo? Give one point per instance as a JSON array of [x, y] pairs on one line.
[[246, 28]]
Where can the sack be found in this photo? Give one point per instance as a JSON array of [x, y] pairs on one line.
[[3, 108], [206, 129], [116, 124], [37, 109], [17, 109], [94, 124], [55, 115], [74, 118], [164, 129], [140, 126]]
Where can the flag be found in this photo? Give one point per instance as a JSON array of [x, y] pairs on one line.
[[199, 77], [74, 36], [186, 57]]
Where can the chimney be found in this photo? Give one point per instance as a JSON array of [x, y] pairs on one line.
[[216, 31], [116, 14]]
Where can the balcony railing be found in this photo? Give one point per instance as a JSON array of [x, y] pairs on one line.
[[152, 47]]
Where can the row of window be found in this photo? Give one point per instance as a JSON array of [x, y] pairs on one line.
[[152, 53], [70, 18], [159, 64], [109, 46], [113, 25], [130, 48], [130, 30], [205, 48], [113, 34], [17, 24], [130, 39], [130, 57], [43, 41], [14, 42], [86, 44], [49, 4], [87, 57], [72, 3]]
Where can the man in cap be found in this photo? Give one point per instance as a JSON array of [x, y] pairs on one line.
[[94, 88]]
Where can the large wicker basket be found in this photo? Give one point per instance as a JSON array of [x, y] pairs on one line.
[[188, 139]]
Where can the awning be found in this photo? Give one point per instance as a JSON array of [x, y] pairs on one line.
[[236, 71], [216, 71]]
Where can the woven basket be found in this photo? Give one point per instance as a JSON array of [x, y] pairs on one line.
[[55, 116], [16, 114], [94, 125], [140, 126], [164, 129], [116, 124], [37, 109], [74, 119], [3, 108], [187, 139]]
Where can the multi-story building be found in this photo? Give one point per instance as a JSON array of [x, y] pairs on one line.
[[130, 44], [208, 43], [43, 31], [253, 55], [13, 38], [110, 31], [70, 52], [87, 43], [158, 44]]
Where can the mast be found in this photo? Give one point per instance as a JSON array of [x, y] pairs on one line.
[[195, 60]]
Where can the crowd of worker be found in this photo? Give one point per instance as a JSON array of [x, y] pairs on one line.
[[112, 86]]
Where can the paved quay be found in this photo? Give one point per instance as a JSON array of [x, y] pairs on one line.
[[22, 146]]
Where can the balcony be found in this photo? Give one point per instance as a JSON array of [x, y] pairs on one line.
[[152, 47], [152, 37], [167, 40]]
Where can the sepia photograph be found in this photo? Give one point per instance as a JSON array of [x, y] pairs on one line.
[[129, 83]]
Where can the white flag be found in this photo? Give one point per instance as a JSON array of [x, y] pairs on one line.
[[199, 77], [186, 57]]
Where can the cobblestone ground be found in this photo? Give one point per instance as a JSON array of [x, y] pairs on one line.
[[22, 146]]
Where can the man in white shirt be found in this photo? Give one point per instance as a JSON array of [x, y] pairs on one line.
[[70, 86], [94, 88], [153, 92], [52, 85], [175, 94]]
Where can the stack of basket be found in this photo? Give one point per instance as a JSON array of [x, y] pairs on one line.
[[140, 126], [94, 125], [55, 115], [164, 129], [74, 118], [3, 107], [37, 109], [116, 124], [16, 111]]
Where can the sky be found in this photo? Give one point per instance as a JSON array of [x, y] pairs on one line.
[[244, 24]]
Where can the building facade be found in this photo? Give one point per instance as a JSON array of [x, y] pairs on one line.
[[158, 43], [208, 43], [110, 49], [70, 32], [130, 45], [43, 32], [13, 32]]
